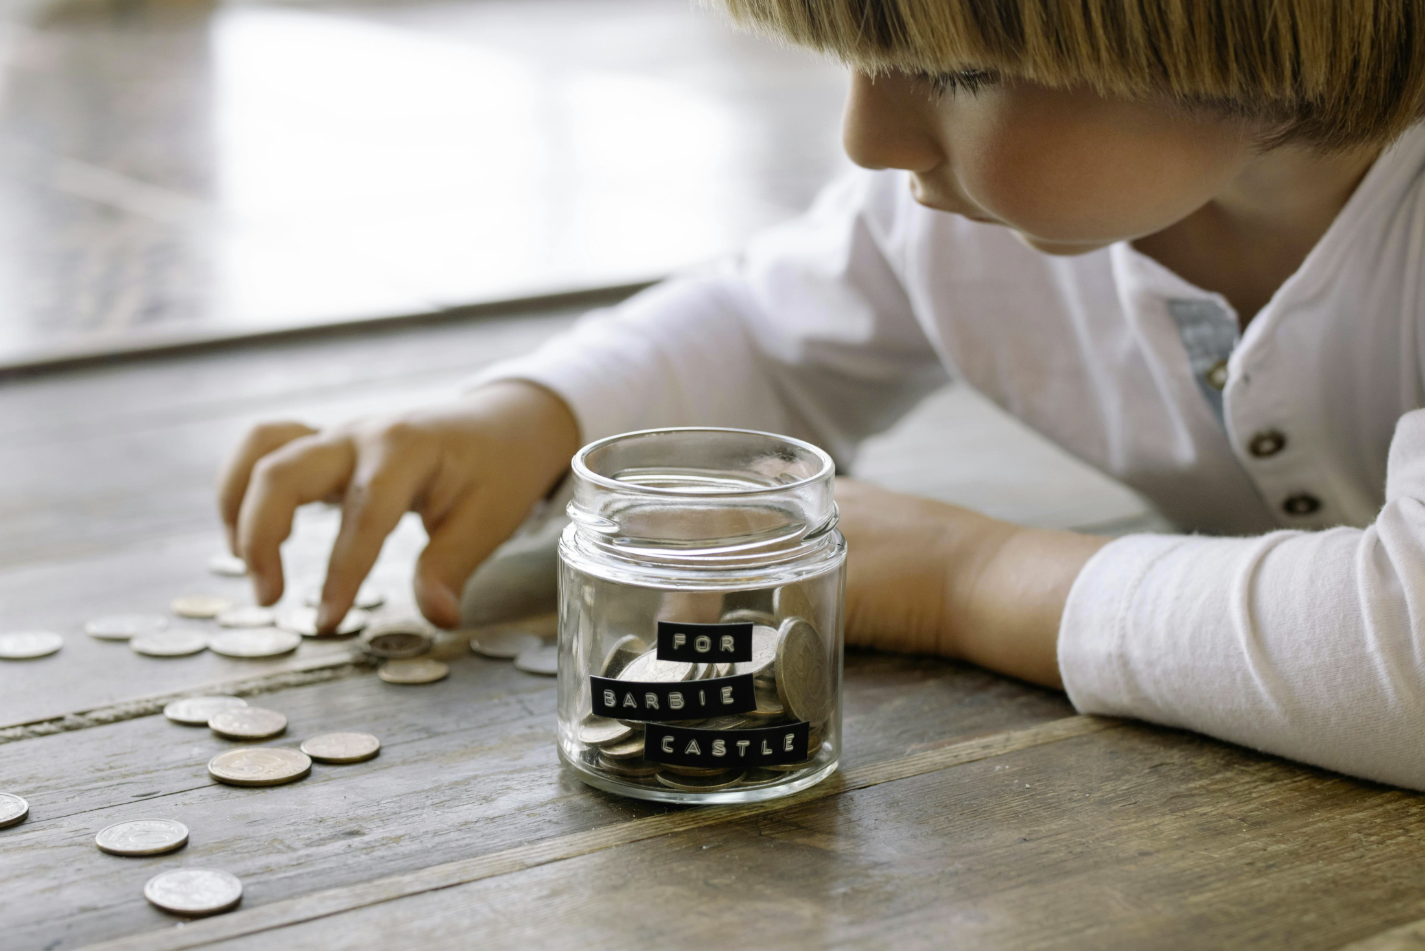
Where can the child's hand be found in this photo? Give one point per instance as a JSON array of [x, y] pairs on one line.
[[931, 578], [472, 469]]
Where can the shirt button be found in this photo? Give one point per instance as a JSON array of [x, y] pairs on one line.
[[1302, 503], [1216, 375], [1266, 443]]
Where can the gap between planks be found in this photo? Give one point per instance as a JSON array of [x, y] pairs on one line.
[[334, 901]]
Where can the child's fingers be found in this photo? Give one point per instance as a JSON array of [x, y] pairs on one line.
[[304, 470], [462, 540], [232, 484], [379, 493]]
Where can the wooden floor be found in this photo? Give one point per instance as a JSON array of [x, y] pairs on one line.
[[971, 811]]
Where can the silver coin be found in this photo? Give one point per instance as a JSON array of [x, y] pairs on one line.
[[341, 747], [543, 660], [259, 766], [201, 607], [254, 642], [142, 837], [624, 749], [646, 667], [633, 768], [121, 627], [624, 652], [13, 810], [248, 723], [599, 731], [368, 597], [414, 670], [194, 892], [769, 703], [303, 621], [715, 779], [504, 645], [802, 680], [28, 645], [229, 566], [252, 615], [764, 652], [742, 615], [169, 643], [398, 638], [197, 711]]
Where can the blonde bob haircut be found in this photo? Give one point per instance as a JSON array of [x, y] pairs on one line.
[[1333, 73]]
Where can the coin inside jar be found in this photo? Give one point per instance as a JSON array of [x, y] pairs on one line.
[[714, 779], [142, 837], [802, 680], [194, 892], [634, 768], [415, 670], [597, 731], [624, 652], [624, 749], [197, 711], [29, 645], [764, 652], [180, 643], [647, 667], [259, 766], [341, 748], [248, 723], [252, 643]]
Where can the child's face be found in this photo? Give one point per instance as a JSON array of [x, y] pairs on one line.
[[1069, 170]]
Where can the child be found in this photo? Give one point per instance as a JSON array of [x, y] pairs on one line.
[[1182, 238]]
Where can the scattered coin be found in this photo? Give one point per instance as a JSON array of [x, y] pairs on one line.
[[624, 652], [27, 645], [200, 607], [121, 627], [598, 731], [252, 615], [142, 837], [303, 621], [542, 660], [647, 667], [197, 711], [715, 779], [368, 597], [247, 723], [764, 652], [259, 766], [415, 670], [397, 638], [504, 645], [194, 892], [169, 643], [634, 768], [227, 565], [802, 680], [624, 749], [342, 747], [254, 642], [13, 810]]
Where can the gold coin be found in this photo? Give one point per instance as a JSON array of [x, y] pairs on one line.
[[259, 766], [194, 892], [542, 660], [715, 779], [29, 645], [200, 606], [179, 643], [624, 652], [647, 668], [341, 748], [504, 645], [252, 615], [638, 768], [197, 711], [142, 837], [624, 749], [254, 642], [599, 731], [121, 627], [303, 621], [248, 723], [415, 670], [802, 671], [13, 810]]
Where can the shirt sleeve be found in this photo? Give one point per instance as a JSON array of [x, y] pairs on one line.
[[1309, 645], [809, 333]]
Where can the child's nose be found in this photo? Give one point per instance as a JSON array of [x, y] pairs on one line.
[[887, 124]]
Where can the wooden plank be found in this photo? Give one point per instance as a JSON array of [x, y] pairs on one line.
[[1128, 839], [468, 767], [1409, 937]]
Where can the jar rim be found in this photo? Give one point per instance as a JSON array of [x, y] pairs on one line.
[[582, 470]]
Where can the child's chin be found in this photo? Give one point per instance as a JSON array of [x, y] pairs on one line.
[[1059, 248]]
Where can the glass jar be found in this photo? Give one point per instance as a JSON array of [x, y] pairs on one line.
[[701, 590]]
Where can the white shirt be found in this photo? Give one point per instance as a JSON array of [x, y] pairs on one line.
[[1302, 639]]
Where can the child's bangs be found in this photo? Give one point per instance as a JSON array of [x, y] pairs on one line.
[[1334, 72]]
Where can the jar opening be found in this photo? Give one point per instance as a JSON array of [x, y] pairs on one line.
[[707, 462]]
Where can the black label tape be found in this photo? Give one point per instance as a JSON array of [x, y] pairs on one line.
[[705, 643], [681, 700], [714, 749]]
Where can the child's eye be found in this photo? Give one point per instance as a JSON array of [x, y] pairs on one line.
[[969, 81]]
